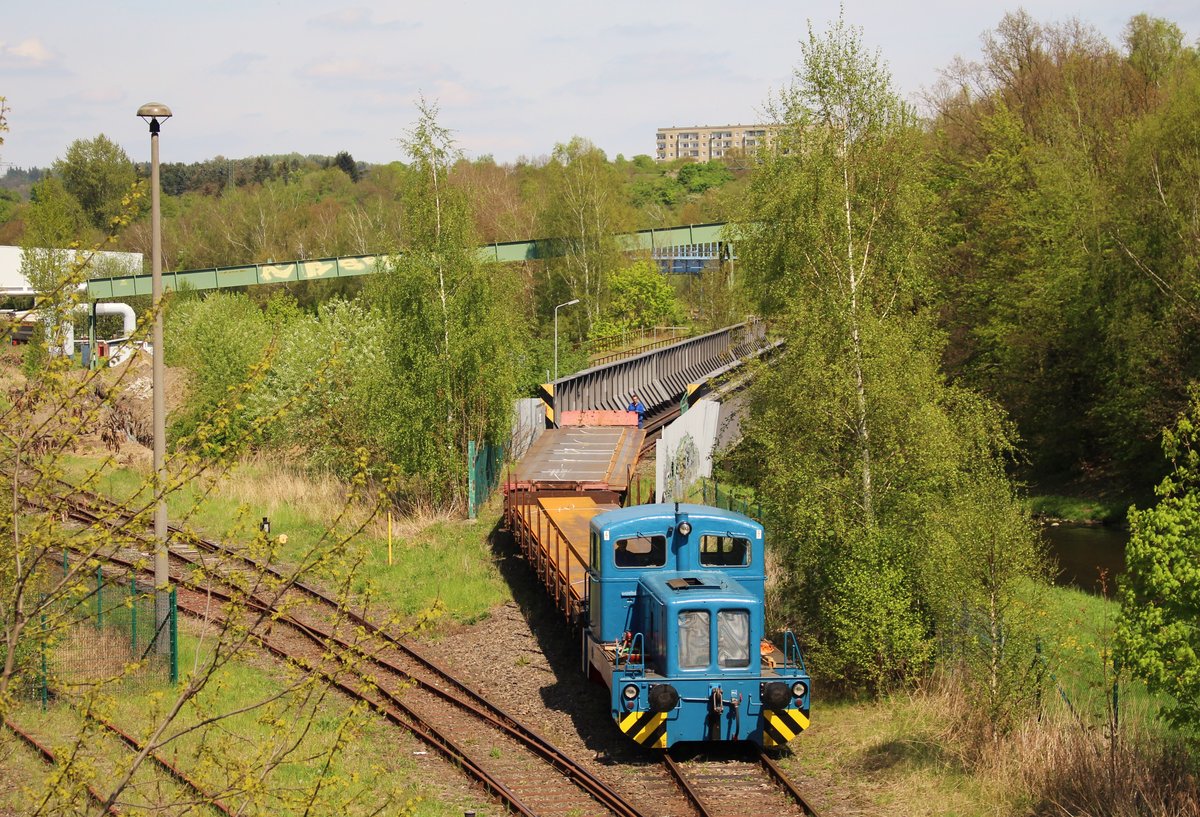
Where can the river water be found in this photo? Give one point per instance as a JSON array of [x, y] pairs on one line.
[[1085, 553]]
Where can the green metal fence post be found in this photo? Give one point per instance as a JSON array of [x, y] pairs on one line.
[[133, 616], [45, 690], [471, 479], [174, 636]]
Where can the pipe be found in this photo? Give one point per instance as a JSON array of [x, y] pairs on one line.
[[67, 332], [129, 319]]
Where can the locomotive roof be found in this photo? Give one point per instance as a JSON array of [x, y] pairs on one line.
[[693, 585], [666, 511]]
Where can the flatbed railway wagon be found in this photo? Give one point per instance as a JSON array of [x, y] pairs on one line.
[[669, 602]]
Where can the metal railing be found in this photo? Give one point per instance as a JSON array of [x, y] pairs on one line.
[[659, 376]]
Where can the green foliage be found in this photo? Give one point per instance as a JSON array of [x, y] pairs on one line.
[[639, 297], [10, 200], [1068, 238], [878, 475], [716, 297], [219, 340], [583, 212], [1159, 628], [98, 173], [452, 330], [1154, 45], [697, 177], [54, 222], [345, 163], [35, 356]]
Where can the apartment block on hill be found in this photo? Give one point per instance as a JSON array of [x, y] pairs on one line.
[[704, 143]]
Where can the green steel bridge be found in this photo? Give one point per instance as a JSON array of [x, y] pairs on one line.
[[694, 242]]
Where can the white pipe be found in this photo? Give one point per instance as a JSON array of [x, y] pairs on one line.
[[129, 320], [67, 331]]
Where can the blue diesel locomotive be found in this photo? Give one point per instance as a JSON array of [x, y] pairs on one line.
[[673, 625]]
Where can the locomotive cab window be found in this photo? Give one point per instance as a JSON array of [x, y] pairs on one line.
[[724, 551], [695, 641], [641, 551], [733, 639]]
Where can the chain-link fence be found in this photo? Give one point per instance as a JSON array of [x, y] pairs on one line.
[[106, 627], [485, 462]]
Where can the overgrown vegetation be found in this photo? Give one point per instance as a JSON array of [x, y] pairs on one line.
[[1160, 641], [1004, 286]]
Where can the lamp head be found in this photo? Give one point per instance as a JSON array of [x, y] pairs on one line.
[[152, 112]]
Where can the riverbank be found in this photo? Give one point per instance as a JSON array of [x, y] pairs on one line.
[[1076, 510]]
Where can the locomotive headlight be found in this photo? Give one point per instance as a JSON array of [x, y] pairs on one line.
[[630, 692], [685, 528], [799, 689]]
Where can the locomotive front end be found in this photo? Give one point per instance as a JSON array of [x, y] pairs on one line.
[[698, 669]]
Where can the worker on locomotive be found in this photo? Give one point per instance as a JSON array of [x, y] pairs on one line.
[[675, 629]]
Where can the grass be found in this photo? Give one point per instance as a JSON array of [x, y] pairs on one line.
[[441, 572], [915, 753], [1080, 510], [446, 565], [437, 563], [888, 756], [377, 770]]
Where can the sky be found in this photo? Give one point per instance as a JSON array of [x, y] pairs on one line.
[[511, 79]]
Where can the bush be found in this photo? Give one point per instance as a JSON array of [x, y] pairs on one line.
[[218, 339]]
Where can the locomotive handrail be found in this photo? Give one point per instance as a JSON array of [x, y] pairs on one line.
[[792, 656], [636, 647]]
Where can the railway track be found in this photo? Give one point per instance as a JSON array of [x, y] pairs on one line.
[[746, 784], [198, 793], [167, 767], [511, 761], [395, 681], [48, 755]]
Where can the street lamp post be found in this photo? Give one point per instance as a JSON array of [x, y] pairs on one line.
[[152, 112], [560, 306]]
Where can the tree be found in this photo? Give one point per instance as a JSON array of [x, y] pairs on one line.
[[453, 328], [1158, 633], [345, 163], [863, 448], [640, 297], [54, 224], [1154, 45], [700, 176], [583, 213], [98, 173]]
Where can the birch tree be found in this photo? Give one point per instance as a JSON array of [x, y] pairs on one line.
[[860, 444], [583, 213], [455, 335]]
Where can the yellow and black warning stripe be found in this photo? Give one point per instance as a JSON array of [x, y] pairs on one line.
[[781, 725], [647, 728]]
